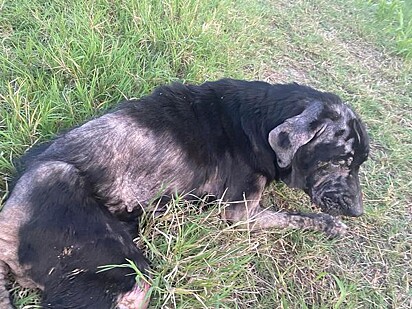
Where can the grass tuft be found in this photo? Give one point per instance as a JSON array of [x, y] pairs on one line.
[[396, 18]]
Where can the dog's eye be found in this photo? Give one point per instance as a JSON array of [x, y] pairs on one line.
[[339, 162], [342, 162], [322, 163]]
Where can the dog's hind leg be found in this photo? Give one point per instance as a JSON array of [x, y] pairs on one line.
[[69, 236], [54, 235], [14, 214]]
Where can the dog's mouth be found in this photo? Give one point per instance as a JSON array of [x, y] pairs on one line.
[[317, 209], [338, 204], [325, 205], [337, 198]]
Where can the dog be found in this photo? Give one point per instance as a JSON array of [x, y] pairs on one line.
[[77, 203]]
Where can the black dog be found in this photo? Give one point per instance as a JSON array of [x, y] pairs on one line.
[[71, 209]]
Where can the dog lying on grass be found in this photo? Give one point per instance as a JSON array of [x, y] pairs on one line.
[[80, 195]]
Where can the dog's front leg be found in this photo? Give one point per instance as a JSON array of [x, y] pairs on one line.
[[249, 213], [267, 218], [257, 218]]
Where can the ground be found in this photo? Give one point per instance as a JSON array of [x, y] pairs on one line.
[[62, 62]]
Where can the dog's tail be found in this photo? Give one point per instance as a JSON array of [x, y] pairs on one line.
[[68, 234]]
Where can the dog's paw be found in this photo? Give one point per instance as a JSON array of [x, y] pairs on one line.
[[337, 229], [334, 227], [328, 224]]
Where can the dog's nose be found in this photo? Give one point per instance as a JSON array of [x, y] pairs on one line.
[[355, 204], [354, 211]]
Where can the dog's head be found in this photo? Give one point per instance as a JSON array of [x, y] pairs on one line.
[[322, 149]]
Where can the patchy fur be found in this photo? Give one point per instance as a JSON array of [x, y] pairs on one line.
[[79, 197]]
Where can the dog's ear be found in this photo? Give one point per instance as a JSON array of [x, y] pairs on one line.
[[295, 132]]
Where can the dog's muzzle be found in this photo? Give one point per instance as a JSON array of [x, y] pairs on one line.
[[338, 201], [335, 203]]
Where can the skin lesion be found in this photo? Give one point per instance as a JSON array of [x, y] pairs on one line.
[[137, 298]]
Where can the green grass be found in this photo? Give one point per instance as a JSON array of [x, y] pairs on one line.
[[395, 16], [62, 62]]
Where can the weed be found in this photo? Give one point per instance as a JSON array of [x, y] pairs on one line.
[[396, 17]]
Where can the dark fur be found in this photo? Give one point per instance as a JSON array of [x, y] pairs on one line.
[[228, 139], [69, 234]]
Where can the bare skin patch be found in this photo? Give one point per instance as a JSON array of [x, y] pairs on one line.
[[137, 298]]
